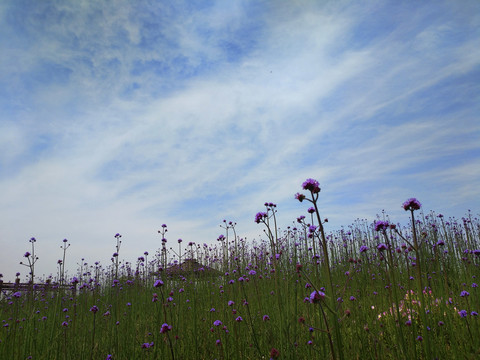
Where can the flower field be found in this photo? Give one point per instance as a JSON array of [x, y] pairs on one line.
[[370, 291]]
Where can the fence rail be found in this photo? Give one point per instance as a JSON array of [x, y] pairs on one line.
[[7, 288]]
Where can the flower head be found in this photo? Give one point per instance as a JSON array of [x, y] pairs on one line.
[[381, 225], [158, 283], [274, 353], [312, 185], [316, 297], [260, 216], [27, 254], [381, 247], [412, 204], [94, 309], [165, 328]]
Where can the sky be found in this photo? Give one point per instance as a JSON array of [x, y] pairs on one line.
[[120, 116]]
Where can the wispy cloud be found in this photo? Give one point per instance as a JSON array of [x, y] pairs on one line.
[[118, 117]]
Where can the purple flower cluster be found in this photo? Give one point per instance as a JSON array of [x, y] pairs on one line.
[[165, 328], [311, 185], [316, 297], [381, 225], [412, 204], [260, 216]]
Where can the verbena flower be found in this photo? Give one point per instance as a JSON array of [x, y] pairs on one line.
[[464, 293], [217, 323], [260, 216], [311, 185], [274, 353], [381, 225], [412, 204], [382, 247], [94, 309], [316, 297], [363, 248], [299, 197], [165, 328], [27, 254], [462, 313], [158, 283]]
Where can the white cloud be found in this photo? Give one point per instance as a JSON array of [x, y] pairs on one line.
[[212, 133]]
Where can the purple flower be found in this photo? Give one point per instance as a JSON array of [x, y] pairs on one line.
[[165, 328], [252, 272], [260, 216], [218, 342], [316, 297], [64, 324], [363, 248], [239, 319], [312, 185], [382, 247], [147, 345], [17, 294], [299, 197], [381, 225], [27, 254], [412, 204], [217, 323], [462, 313], [464, 293], [231, 303], [474, 313], [94, 309], [266, 317], [158, 283]]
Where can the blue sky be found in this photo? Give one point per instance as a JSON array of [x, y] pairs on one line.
[[119, 116]]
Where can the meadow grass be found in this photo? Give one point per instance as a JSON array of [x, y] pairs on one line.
[[369, 291]]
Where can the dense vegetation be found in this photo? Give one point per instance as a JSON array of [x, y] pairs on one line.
[[370, 291]]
